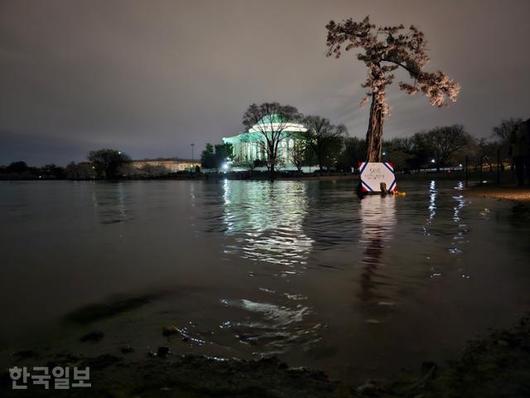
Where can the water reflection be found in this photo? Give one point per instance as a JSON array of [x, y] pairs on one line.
[[264, 222], [433, 193], [333, 220], [378, 219], [56, 263], [265, 219], [460, 237], [110, 202], [460, 202], [461, 231], [273, 328]]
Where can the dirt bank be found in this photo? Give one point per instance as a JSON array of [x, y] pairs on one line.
[[495, 366], [520, 194]]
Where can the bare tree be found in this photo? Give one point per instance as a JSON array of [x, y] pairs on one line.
[[324, 138], [387, 48], [506, 128], [505, 133], [107, 162], [273, 122], [353, 152], [299, 153], [445, 141], [487, 151]]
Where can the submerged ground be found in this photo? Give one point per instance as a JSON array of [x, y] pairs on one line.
[[128, 277]]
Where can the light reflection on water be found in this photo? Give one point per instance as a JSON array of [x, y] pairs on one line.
[[266, 221], [271, 328], [306, 230], [302, 269], [461, 231], [377, 216], [110, 203], [265, 224], [432, 201]]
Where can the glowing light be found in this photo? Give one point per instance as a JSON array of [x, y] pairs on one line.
[[433, 161], [225, 166]]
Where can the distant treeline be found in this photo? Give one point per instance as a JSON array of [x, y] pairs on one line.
[[436, 148], [20, 170], [450, 146], [441, 147]]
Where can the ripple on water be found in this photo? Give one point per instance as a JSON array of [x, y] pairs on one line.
[[273, 328], [264, 222]]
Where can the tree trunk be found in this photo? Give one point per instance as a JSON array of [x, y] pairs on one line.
[[318, 152], [374, 135], [273, 157]]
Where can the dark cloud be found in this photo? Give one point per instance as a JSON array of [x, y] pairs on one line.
[[152, 77]]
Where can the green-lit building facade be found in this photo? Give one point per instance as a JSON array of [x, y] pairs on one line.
[[249, 146]]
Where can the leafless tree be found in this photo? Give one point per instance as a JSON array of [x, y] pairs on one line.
[[506, 128], [323, 137], [385, 49], [272, 121], [299, 153], [445, 141]]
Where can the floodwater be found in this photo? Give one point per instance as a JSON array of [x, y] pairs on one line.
[[304, 270]]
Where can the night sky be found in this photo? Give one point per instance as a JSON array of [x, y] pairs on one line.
[[152, 77]]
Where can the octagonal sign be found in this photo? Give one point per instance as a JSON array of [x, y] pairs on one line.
[[374, 173]]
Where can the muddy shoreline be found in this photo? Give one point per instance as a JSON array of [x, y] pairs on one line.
[[518, 194], [497, 365]]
